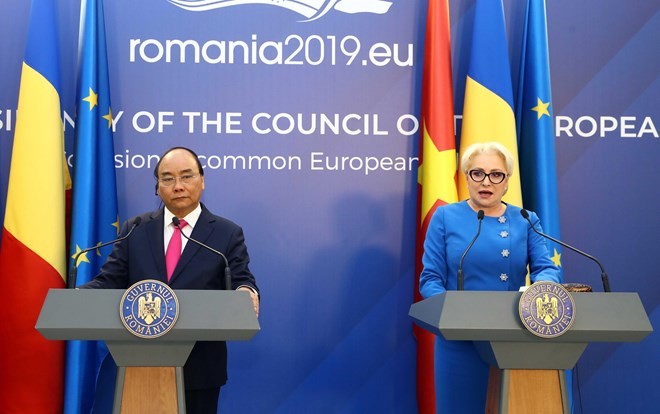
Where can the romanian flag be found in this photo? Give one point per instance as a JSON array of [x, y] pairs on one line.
[[538, 166], [33, 255], [437, 169], [488, 107], [94, 218]]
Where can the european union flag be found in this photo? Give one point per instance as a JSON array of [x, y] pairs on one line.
[[94, 208], [536, 136]]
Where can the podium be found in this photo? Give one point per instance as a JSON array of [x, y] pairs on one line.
[[491, 320], [148, 366]]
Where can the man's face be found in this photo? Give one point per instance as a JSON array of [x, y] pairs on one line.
[[178, 196]]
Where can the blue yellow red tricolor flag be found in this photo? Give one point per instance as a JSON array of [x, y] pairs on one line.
[[33, 255], [536, 135], [488, 107], [437, 169], [94, 211]]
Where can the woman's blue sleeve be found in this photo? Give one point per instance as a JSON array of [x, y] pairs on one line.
[[433, 279]]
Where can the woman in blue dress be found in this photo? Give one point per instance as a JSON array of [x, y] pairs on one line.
[[498, 260]]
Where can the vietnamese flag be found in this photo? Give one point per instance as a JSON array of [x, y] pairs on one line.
[[437, 170]]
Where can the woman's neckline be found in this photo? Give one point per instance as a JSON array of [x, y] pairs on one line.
[[498, 213]]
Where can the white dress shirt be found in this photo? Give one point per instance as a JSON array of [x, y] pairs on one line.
[[168, 228]]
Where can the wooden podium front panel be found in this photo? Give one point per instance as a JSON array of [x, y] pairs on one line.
[[149, 390], [493, 396], [535, 391]]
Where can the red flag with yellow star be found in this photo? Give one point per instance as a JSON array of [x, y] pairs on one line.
[[437, 169]]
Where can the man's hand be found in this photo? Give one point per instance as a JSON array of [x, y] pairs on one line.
[[253, 296]]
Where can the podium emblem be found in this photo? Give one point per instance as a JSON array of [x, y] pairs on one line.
[[149, 309], [546, 309]]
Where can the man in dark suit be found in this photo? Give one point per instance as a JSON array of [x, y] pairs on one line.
[[180, 183]]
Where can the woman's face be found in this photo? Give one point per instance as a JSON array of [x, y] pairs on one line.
[[485, 195]]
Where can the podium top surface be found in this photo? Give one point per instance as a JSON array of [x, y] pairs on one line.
[[493, 316], [93, 314]]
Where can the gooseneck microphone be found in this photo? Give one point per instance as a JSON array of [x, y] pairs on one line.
[[603, 275], [460, 277], [73, 273], [177, 223]]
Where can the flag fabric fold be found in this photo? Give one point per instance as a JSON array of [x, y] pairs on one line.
[[94, 210], [437, 169], [33, 254], [536, 135], [488, 108]]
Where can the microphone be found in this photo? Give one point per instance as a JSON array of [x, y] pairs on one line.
[[460, 277], [603, 275], [73, 273], [177, 223]]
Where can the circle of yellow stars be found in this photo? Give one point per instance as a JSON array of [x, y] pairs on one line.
[[82, 257], [93, 100]]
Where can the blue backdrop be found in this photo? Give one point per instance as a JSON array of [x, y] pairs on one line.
[[325, 102]]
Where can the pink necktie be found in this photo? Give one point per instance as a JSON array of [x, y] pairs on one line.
[[173, 252]]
